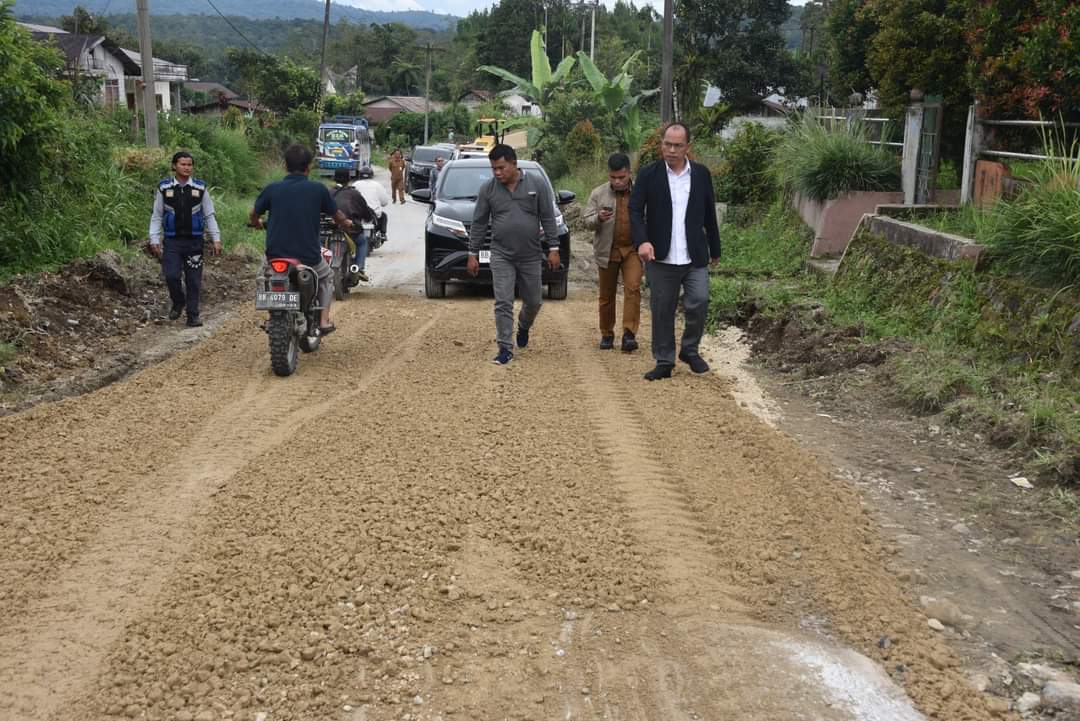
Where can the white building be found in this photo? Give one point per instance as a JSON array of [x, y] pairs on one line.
[[118, 70]]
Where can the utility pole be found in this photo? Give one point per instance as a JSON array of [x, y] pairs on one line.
[[146, 53], [592, 35], [322, 59], [666, 72], [427, 94]]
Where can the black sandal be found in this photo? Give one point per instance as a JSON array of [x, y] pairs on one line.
[[327, 330]]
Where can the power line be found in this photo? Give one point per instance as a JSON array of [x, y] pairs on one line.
[[235, 29]]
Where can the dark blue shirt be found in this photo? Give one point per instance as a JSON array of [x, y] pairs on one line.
[[295, 204]]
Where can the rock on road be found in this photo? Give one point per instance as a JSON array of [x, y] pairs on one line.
[[404, 531]]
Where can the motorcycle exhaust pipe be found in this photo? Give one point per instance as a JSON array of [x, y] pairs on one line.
[[354, 269]]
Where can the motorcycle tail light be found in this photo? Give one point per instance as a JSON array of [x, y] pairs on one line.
[[279, 266]]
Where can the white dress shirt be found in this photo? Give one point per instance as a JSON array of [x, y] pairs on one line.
[[679, 185]]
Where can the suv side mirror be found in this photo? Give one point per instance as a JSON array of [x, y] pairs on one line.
[[408, 158], [422, 195], [566, 196]]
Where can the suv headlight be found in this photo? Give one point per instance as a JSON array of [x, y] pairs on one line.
[[454, 226]]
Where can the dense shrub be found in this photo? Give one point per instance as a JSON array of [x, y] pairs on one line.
[[820, 162], [744, 177], [87, 203], [1038, 233], [34, 107], [583, 145], [223, 157], [650, 149]]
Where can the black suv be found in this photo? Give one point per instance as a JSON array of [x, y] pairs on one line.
[[421, 162], [446, 234]]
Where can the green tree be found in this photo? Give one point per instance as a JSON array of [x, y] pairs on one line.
[[278, 83], [405, 76], [849, 30], [34, 106], [1025, 57], [544, 81], [920, 44], [614, 95], [734, 44]]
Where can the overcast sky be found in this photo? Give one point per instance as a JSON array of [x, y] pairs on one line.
[[463, 7]]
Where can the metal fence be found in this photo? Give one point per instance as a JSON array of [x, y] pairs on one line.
[[851, 116], [976, 145]]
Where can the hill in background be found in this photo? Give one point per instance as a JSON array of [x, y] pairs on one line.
[[262, 10]]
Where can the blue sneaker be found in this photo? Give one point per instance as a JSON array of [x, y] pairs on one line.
[[522, 337], [503, 358]]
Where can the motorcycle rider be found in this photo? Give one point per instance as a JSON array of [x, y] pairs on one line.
[[351, 202], [296, 205], [377, 198]]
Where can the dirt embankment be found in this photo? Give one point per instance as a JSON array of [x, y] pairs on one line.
[[97, 320]]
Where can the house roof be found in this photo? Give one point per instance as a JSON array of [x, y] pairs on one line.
[[209, 88], [34, 28], [411, 103], [480, 94], [163, 69], [73, 47]]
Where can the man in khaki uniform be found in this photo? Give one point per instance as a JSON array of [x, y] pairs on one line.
[[608, 214], [397, 177]]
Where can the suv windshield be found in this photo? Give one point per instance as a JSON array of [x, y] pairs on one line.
[[463, 183], [428, 155]]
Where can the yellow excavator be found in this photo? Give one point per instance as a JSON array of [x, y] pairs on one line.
[[489, 133]]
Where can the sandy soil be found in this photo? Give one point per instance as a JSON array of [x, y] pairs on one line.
[[404, 531]]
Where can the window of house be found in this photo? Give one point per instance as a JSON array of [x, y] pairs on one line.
[[112, 93]]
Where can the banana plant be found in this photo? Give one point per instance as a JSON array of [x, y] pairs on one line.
[[614, 95], [544, 81]]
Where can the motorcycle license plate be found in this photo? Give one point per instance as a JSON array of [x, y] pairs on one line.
[[270, 300], [485, 256]]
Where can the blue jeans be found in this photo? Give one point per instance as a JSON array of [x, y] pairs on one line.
[[361, 241]]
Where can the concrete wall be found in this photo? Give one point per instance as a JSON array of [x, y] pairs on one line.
[[835, 220], [934, 243]]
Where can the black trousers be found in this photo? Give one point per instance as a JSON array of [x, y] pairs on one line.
[[182, 262]]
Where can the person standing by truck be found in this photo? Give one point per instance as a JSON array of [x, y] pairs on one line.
[[183, 213], [397, 176]]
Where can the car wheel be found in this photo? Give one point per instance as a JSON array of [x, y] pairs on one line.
[[433, 288], [557, 290]]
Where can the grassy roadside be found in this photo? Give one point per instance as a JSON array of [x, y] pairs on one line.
[[954, 361]]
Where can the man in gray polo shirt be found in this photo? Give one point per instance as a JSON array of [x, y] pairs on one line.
[[515, 205]]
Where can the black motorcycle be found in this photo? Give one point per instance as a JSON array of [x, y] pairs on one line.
[[290, 292], [346, 271]]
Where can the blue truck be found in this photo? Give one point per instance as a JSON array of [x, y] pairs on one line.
[[344, 142]]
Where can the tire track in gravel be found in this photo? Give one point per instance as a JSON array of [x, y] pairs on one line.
[[45, 661], [664, 515]]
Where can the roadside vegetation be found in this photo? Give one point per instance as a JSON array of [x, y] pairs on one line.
[[985, 348]]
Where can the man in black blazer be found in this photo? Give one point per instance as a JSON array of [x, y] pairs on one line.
[[673, 220]]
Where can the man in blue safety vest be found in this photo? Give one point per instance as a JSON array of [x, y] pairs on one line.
[[184, 215]]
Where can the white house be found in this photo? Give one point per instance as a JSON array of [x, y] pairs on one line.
[[168, 79], [118, 70], [519, 104]]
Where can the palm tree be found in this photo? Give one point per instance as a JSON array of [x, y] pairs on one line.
[[405, 75]]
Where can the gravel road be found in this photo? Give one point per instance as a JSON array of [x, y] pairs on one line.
[[403, 530]]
